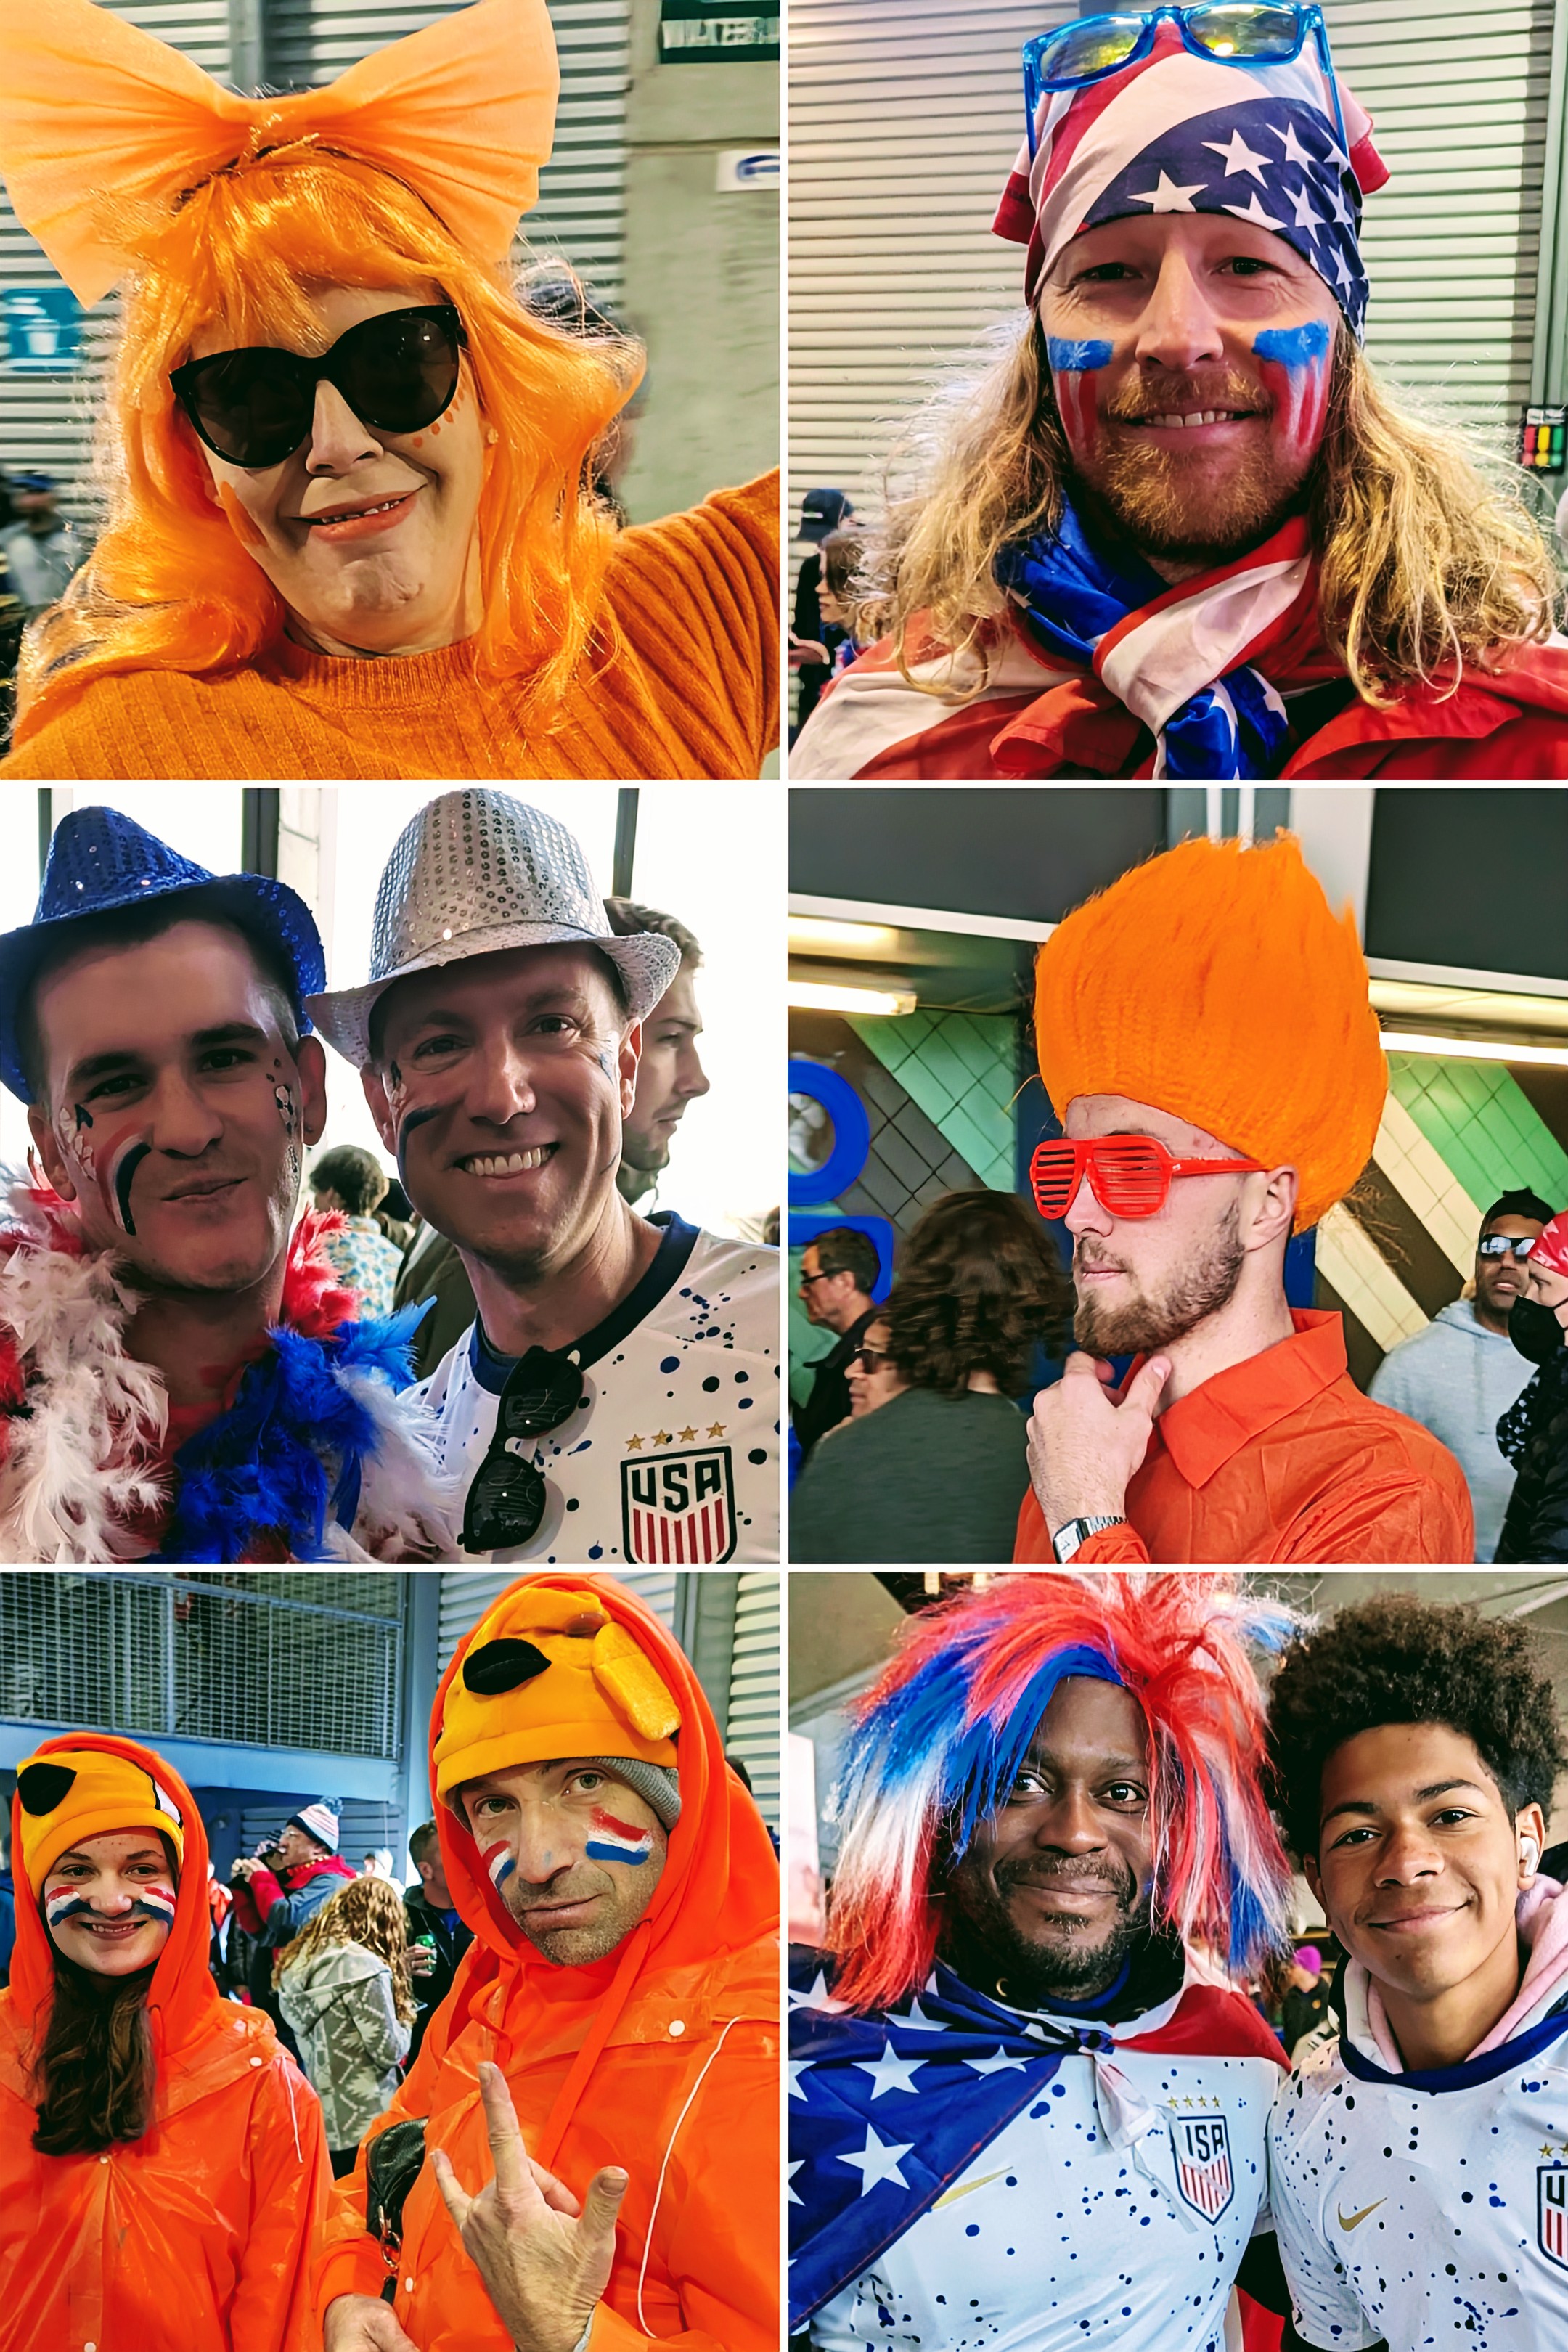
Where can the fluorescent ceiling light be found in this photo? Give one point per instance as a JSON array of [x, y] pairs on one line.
[[1475, 1049], [1475, 1008], [814, 935], [813, 996]]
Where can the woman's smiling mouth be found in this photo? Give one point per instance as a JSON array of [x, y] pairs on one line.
[[362, 521]]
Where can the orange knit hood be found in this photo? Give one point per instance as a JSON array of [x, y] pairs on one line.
[[1214, 984], [718, 1892]]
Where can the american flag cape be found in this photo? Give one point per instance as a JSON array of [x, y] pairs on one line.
[[1077, 678], [859, 2176]]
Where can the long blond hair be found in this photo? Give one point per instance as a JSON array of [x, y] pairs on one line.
[[169, 586], [368, 1911], [1430, 563]]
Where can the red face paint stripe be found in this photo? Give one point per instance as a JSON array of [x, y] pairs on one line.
[[603, 1820]]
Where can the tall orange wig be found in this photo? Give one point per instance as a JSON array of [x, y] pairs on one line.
[[170, 586]]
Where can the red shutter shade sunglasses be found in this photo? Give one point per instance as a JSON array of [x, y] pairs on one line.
[[1129, 1175]]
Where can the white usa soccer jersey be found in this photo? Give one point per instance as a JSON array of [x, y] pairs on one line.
[[1427, 2209], [1114, 2211], [672, 1458]]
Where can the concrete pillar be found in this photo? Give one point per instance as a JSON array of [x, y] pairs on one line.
[[702, 274]]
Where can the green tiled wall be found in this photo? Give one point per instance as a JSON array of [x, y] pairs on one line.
[[1475, 1115], [961, 1068]]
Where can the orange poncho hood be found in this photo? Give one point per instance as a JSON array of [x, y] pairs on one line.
[[718, 1895], [181, 1999], [1214, 982]]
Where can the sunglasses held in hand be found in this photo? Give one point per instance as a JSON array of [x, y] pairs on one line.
[[1129, 1175], [256, 406]]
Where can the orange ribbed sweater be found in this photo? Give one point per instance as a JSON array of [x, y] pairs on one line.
[[695, 692]]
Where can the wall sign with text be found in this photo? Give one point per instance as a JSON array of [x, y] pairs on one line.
[[721, 32]]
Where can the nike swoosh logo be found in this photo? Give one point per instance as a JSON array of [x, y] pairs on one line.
[[1350, 2222], [969, 2188]]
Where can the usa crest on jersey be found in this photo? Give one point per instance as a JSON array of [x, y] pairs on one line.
[[1551, 2212], [679, 1509], [1202, 2163]]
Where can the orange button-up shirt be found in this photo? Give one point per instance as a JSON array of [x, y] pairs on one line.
[[1281, 1458]]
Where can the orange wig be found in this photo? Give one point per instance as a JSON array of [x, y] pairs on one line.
[[170, 586]]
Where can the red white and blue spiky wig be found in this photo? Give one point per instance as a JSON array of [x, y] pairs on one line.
[[939, 1739]]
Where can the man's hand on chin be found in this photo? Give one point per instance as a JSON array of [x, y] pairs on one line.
[[544, 2259], [1083, 1447], [358, 2323]]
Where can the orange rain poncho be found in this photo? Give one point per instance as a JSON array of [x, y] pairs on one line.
[[196, 2237], [629, 2041]]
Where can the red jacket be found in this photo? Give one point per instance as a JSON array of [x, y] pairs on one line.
[[197, 2236]]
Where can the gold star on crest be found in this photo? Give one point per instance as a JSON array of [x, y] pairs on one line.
[[634, 1445], [715, 1428], [660, 1437], [687, 1435]]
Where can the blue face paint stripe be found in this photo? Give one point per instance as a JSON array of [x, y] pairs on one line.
[[1072, 359], [1292, 346], [596, 1851]]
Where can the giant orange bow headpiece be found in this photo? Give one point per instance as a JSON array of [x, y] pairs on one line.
[[101, 125]]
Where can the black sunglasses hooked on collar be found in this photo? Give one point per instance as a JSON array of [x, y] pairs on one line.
[[507, 1499], [398, 372]]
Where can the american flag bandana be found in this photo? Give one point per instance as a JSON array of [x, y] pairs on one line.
[[1158, 649], [1177, 134]]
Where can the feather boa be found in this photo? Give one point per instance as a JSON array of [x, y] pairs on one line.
[[940, 1737], [319, 1452]]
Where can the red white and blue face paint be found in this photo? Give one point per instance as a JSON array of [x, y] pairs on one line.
[[500, 1862], [1077, 371], [152, 1901], [105, 1157], [1294, 363], [610, 1840]]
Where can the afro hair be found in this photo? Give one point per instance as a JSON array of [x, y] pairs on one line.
[[1398, 1659]]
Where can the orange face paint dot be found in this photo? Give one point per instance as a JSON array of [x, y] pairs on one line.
[[419, 440], [434, 428]]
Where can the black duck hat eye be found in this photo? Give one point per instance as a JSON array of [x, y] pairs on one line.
[[42, 1787], [499, 1666]]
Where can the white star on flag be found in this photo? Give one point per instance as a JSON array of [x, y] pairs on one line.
[[1337, 155], [890, 2072], [917, 2020], [818, 1998], [797, 2067], [1168, 198], [877, 2160], [996, 2064], [1272, 698], [1342, 271], [1254, 212], [1294, 150], [795, 2168], [1307, 216], [1341, 212], [1240, 157]]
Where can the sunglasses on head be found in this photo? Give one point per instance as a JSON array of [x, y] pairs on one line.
[[398, 372], [1230, 32], [1499, 1244], [506, 1501], [1129, 1175]]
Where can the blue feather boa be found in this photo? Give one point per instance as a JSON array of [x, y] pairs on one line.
[[291, 1448]]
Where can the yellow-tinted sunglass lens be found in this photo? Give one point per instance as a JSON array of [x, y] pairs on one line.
[[1244, 30], [1092, 47]]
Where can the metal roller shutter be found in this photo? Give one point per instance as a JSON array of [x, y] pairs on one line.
[[47, 420], [751, 1725], [467, 1593], [904, 124], [582, 204]]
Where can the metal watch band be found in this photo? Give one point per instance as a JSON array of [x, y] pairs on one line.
[[1071, 1539]]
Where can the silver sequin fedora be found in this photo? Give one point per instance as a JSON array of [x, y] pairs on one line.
[[474, 872]]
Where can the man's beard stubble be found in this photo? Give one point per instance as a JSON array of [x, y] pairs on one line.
[[1196, 1289], [1141, 489], [991, 1952]]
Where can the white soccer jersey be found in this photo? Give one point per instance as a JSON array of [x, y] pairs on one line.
[[1094, 2217], [1434, 2216], [672, 1458]]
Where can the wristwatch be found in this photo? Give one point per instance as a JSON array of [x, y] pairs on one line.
[[1069, 1540]]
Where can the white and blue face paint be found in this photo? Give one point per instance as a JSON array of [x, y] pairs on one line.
[[616, 1840]]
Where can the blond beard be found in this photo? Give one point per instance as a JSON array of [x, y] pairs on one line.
[[1194, 1292]]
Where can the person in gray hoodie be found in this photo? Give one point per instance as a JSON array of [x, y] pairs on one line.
[[344, 1990], [1462, 1373]]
